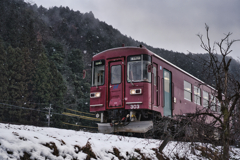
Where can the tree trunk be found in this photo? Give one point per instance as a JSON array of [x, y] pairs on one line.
[[165, 142], [225, 137], [225, 155]]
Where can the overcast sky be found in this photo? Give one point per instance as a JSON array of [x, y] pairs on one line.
[[168, 24]]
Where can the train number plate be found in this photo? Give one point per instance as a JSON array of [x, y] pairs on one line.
[[135, 106]]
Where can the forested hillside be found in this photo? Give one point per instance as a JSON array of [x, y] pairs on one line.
[[42, 55]]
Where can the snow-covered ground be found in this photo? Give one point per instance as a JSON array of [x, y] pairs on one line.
[[30, 142]]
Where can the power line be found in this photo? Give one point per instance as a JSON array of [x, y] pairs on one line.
[[57, 106], [22, 107], [79, 111], [62, 114], [78, 125], [28, 102], [83, 117]]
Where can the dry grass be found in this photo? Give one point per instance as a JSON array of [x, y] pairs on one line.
[[53, 147], [208, 153]]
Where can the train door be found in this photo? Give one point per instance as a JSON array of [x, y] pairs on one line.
[[115, 84], [155, 83], [167, 92]]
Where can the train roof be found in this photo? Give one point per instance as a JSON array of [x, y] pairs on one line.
[[144, 49], [183, 71], [121, 48]]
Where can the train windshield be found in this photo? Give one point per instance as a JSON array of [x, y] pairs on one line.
[[137, 68], [98, 73]]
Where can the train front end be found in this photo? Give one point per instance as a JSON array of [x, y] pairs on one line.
[[121, 90]]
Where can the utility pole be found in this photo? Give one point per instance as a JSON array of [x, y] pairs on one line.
[[49, 114]]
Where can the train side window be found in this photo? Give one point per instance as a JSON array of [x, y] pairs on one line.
[[213, 103], [218, 107], [155, 76], [197, 95], [205, 99], [167, 82], [116, 72], [187, 91]]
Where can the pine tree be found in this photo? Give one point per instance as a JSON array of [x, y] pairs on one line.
[[3, 81], [28, 71], [16, 78], [42, 79]]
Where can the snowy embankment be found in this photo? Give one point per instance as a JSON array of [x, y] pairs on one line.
[[29, 142]]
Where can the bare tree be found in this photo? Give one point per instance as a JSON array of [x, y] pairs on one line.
[[214, 123], [227, 87]]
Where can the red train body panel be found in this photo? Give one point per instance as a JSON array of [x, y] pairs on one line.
[[135, 81]]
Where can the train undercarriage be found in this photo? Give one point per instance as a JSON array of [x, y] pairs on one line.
[[125, 121], [150, 124]]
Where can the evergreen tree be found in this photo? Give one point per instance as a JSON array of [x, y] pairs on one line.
[[3, 81], [3, 72], [16, 79], [75, 61], [57, 94], [29, 71], [42, 79]]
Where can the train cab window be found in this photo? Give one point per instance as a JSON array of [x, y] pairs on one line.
[[137, 68], [98, 72], [116, 72], [205, 99], [197, 95], [187, 91]]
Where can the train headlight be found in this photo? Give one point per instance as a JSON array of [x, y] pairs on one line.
[[135, 91], [97, 115], [95, 95]]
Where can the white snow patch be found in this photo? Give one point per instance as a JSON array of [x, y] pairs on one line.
[[17, 140]]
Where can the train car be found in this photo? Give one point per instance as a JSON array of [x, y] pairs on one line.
[[131, 86]]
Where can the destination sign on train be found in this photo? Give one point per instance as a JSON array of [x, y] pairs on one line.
[[135, 58], [98, 63]]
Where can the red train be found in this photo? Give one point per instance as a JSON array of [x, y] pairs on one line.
[[132, 85]]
